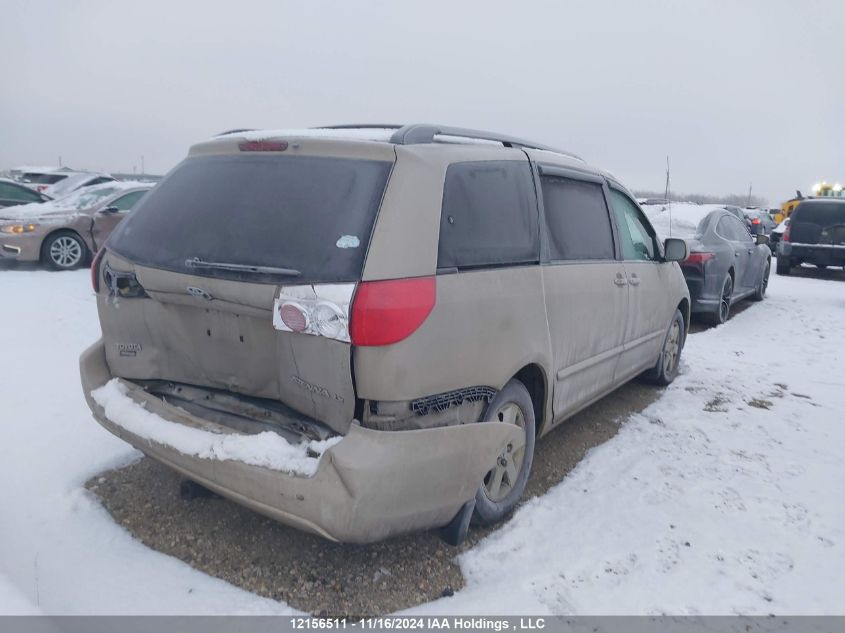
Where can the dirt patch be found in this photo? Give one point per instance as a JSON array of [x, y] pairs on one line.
[[760, 403], [716, 404], [229, 542]]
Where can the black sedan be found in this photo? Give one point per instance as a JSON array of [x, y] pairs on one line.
[[726, 264], [13, 194]]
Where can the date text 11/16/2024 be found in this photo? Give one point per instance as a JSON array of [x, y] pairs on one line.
[[458, 623]]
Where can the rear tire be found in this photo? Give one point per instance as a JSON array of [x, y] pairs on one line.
[[723, 311], [504, 484], [760, 291], [64, 250], [669, 362], [783, 266]]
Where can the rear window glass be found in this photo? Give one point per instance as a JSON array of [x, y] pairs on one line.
[[489, 215], [578, 220], [311, 214], [811, 219]]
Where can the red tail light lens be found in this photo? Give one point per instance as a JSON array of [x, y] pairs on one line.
[[386, 312], [95, 270], [755, 221], [263, 146], [699, 258], [785, 237]]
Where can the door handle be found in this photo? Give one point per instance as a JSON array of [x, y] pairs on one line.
[[620, 280], [634, 280], [736, 254], [750, 250]]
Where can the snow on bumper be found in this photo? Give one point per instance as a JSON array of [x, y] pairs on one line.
[[364, 487]]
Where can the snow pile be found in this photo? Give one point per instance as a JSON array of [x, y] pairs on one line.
[[266, 449], [685, 218], [12, 601]]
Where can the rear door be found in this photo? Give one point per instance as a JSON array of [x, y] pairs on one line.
[[293, 225], [586, 288], [649, 308], [730, 229], [747, 270]]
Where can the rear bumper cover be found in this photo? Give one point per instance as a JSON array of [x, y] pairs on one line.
[[369, 486], [827, 254]]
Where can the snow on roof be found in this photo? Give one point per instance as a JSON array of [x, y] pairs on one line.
[[349, 134], [685, 217]]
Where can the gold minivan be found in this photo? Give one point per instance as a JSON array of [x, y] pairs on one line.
[[360, 331]]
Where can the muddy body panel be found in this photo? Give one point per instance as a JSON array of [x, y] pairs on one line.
[[369, 486]]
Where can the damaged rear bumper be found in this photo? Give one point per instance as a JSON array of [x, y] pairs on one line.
[[367, 487]]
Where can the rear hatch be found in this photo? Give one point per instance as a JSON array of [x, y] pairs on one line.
[[202, 260], [819, 222]]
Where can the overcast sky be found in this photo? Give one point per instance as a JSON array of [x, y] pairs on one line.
[[734, 92]]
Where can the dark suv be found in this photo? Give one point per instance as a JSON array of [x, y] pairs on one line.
[[815, 235]]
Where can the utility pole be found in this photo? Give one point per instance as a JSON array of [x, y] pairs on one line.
[[666, 195], [142, 164], [748, 204]]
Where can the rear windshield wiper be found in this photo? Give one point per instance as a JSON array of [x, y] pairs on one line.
[[196, 262]]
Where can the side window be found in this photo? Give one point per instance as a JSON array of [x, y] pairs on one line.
[[489, 215], [577, 219], [125, 203], [636, 236], [723, 228], [99, 181], [740, 232], [10, 192]]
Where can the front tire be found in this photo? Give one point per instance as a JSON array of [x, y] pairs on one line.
[[669, 362], [64, 250], [504, 484]]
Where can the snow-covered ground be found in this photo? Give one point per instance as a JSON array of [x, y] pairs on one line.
[[725, 495]]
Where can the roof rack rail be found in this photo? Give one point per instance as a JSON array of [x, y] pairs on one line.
[[425, 133]]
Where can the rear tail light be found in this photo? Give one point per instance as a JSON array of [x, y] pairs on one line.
[[785, 237], [755, 221], [386, 312], [320, 310], [699, 258], [95, 270]]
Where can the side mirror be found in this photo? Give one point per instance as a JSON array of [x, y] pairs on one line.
[[762, 238], [675, 249], [110, 210]]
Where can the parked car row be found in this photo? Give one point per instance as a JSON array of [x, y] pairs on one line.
[[727, 262], [63, 233], [412, 305]]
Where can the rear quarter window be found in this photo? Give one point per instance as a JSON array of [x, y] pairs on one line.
[[489, 216]]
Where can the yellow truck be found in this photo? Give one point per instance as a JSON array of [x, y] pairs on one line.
[[820, 190]]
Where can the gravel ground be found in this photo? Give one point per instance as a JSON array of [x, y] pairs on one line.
[[227, 541]]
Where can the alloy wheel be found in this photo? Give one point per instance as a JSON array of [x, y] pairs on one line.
[[500, 481], [66, 252], [672, 349], [725, 303]]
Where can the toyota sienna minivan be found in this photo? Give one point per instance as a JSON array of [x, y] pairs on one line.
[[360, 331]]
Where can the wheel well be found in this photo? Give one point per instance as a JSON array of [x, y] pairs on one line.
[[731, 273], [683, 306], [534, 379]]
